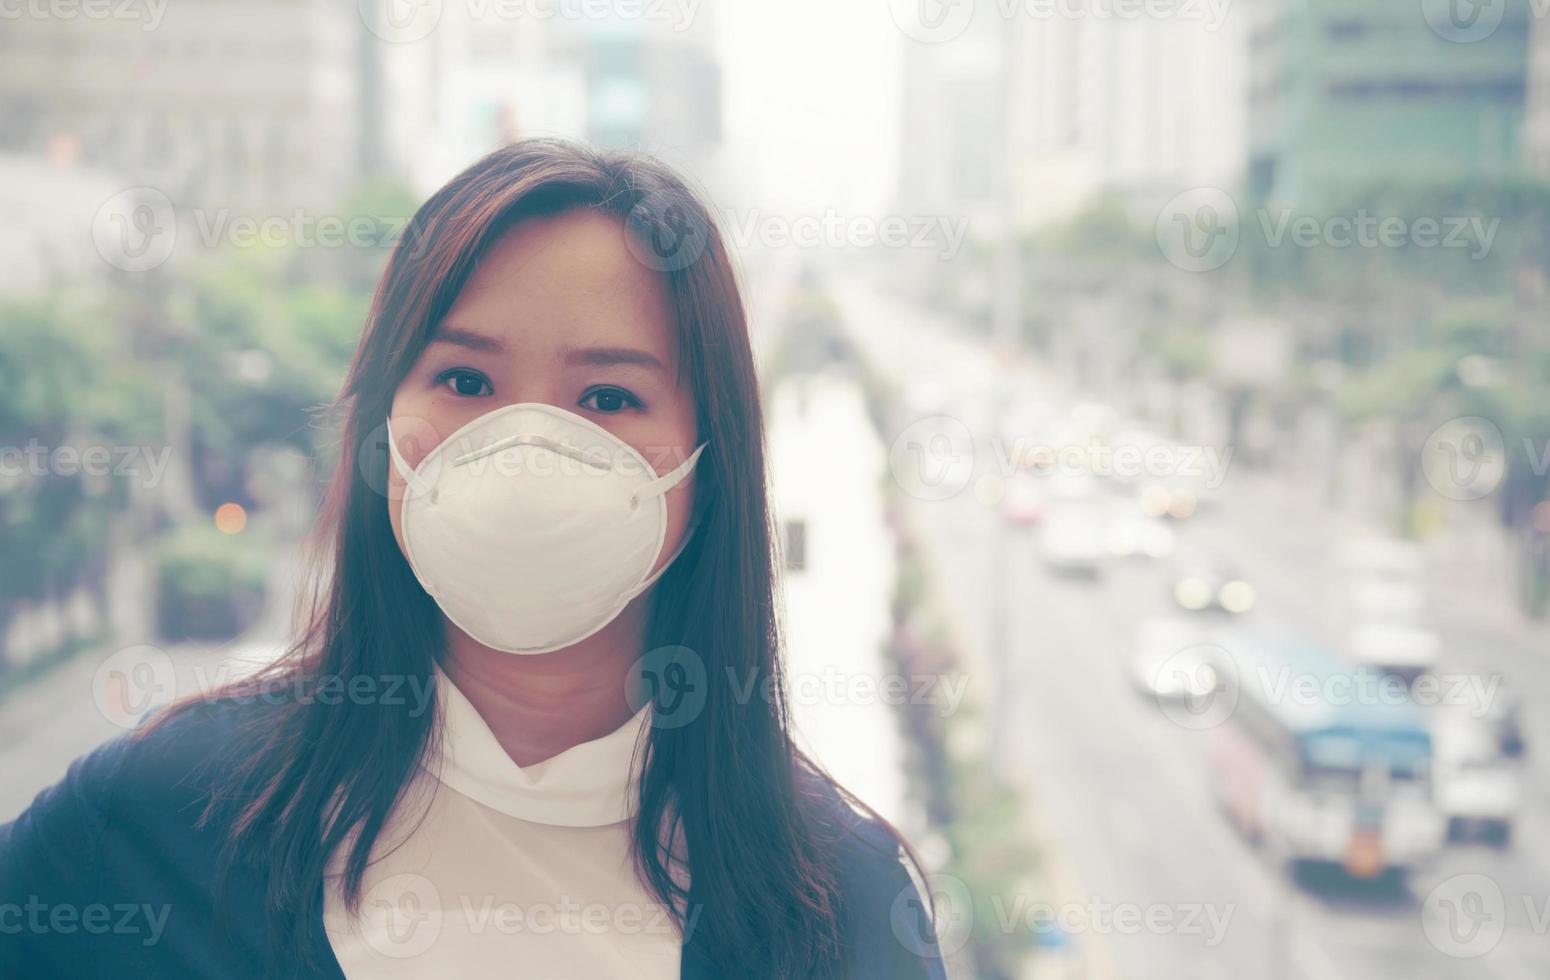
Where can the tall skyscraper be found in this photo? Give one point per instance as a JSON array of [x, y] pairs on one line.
[[1140, 107], [952, 135], [1349, 92], [655, 88], [1081, 102], [243, 106]]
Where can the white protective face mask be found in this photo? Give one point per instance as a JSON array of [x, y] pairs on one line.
[[533, 527]]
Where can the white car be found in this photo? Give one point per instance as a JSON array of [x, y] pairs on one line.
[[1478, 788], [1132, 534], [1024, 502], [1404, 650], [1173, 659], [1071, 540], [1205, 582]]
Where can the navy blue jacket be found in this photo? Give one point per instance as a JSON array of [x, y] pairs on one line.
[[106, 874]]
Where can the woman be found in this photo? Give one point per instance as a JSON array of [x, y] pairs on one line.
[[521, 733]]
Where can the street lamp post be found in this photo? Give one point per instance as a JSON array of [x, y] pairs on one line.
[[1005, 322]]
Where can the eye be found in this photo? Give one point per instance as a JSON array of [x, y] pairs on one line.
[[465, 383], [609, 400]]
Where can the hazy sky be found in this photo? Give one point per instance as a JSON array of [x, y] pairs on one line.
[[812, 100]]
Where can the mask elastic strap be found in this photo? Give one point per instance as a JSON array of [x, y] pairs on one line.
[[662, 484], [416, 484], [651, 580], [668, 480]]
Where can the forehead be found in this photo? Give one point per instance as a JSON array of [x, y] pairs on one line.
[[566, 280]]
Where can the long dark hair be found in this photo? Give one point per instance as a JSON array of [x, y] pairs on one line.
[[325, 773]]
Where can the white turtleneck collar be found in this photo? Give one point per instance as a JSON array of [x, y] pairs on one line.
[[592, 784]]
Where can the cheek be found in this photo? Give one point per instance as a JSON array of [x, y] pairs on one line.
[[415, 435]]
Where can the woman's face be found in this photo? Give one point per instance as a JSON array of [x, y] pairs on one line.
[[557, 311]]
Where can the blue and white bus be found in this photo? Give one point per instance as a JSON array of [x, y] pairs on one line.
[[1320, 760]]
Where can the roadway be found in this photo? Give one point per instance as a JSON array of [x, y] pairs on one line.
[[1120, 789]]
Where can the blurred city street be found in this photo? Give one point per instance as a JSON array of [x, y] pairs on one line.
[[1125, 788]]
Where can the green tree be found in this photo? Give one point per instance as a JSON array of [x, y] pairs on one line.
[[64, 388]]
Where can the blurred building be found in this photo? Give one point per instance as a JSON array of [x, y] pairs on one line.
[[46, 206], [1073, 105], [1536, 128], [1349, 92], [952, 135], [215, 104], [444, 95], [1139, 107], [655, 89], [477, 81], [277, 105]]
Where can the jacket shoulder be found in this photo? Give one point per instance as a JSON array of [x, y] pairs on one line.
[[180, 752], [114, 860], [886, 921]]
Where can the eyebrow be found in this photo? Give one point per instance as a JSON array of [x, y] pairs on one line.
[[605, 356], [467, 338]]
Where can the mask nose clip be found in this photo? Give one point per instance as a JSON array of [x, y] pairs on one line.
[[542, 442]]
